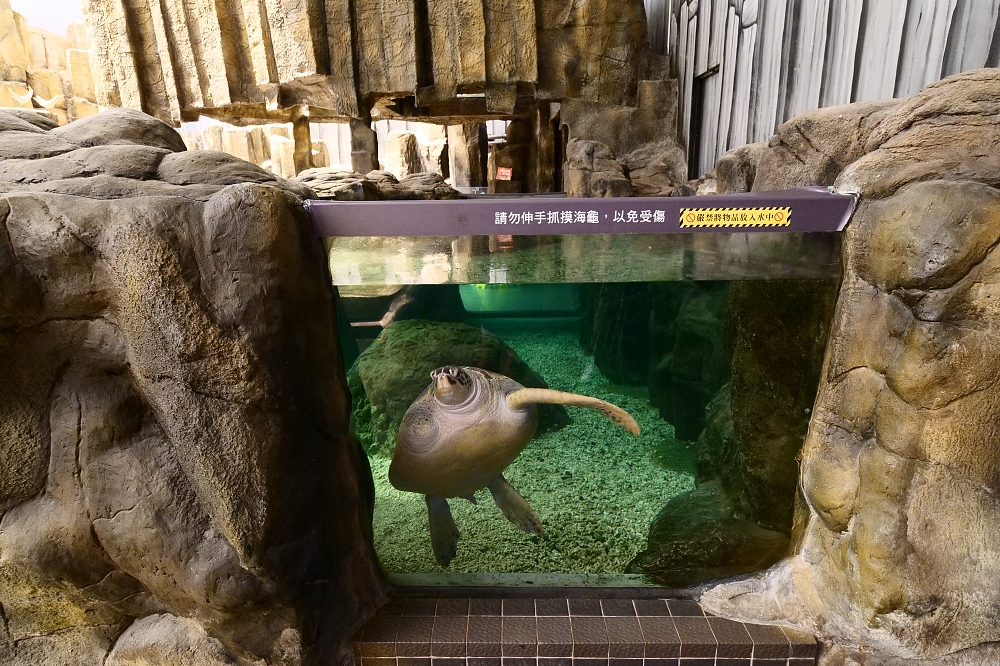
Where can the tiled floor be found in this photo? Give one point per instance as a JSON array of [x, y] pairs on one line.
[[413, 631]]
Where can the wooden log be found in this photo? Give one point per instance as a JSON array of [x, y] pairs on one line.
[[340, 33], [158, 69], [458, 40], [511, 49], [689, 29], [103, 71], [206, 43], [258, 36], [122, 56], [291, 38], [703, 10]]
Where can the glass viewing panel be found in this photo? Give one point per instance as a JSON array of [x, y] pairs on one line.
[[643, 321]]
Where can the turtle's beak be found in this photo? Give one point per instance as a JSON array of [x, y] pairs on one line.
[[449, 390]]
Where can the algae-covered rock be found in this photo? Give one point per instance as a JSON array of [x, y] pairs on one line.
[[698, 537], [689, 362], [396, 368], [705, 534], [614, 327]]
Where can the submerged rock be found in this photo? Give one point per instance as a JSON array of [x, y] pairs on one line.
[[614, 327], [689, 361], [698, 537]]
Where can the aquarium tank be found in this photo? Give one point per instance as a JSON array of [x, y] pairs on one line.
[[550, 400]]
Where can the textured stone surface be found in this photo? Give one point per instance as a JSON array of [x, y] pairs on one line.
[[334, 183], [343, 58], [688, 360], [642, 137], [402, 154], [591, 170], [178, 482], [899, 548], [813, 148]]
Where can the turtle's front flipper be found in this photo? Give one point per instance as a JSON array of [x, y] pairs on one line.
[[444, 532], [522, 397], [514, 507]]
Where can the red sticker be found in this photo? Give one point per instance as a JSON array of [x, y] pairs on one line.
[[505, 173]]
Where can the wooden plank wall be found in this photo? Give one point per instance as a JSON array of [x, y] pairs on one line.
[[758, 63]]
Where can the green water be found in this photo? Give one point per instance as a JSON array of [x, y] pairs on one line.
[[595, 486]]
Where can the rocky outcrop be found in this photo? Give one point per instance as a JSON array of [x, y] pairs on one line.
[[624, 150], [178, 484], [42, 70], [342, 58], [898, 549], [342, 185], [593, 172]]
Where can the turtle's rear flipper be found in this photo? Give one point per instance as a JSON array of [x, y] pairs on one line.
[[514, 507], [444, 532]]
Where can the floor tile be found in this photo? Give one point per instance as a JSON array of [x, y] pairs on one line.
[[551, 607], [617, 607], [555, 637], [418, 606], [481, 661], [378, 661], [625, 637], [519, 637], [769, 642], [555, 661], [414, 661], [697, 639], [585, 607], [452, 607], [522, 607], [732, 637], [651, 607], [801, 644], [684, 608], [486, 607], [660, 637], [590, 637]]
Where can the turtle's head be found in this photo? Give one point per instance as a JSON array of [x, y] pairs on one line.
[[451, 385]]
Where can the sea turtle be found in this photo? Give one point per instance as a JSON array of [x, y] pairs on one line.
[[459, 436]]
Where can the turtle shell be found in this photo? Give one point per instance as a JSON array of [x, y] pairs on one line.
[[455, 450]]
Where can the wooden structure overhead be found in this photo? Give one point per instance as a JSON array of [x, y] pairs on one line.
[[252, 60]]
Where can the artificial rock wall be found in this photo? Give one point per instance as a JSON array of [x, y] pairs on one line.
[[178, 483], [897, 549], [39, 69], [263, 59]]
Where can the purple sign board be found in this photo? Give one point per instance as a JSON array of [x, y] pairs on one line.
[[805, 209]]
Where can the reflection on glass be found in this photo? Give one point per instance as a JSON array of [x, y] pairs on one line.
[[582, 258]]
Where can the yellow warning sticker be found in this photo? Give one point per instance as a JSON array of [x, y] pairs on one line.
[[770, 216]]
